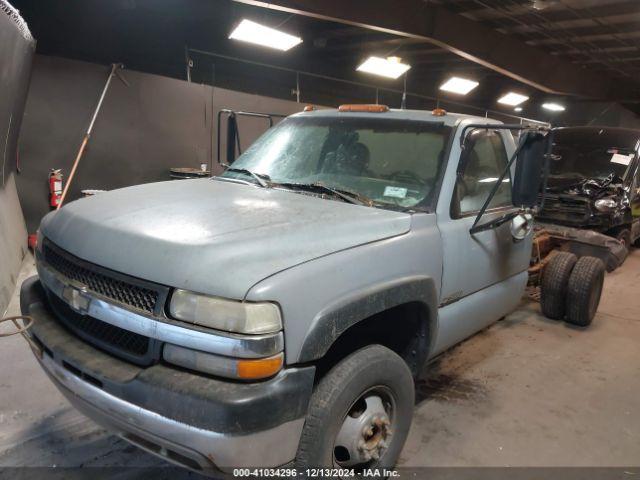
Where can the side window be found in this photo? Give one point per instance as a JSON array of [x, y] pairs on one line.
[[487, 160]]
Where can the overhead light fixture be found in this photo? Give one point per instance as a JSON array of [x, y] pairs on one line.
[[257, 34], [513, 99], [459, 85], [554, 107], [517, 109], [542, 4], [390, 67]]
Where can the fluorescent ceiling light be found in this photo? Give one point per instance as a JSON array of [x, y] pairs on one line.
[[517, 109], [459, 85], [513, 99], [492, 180], [257, 34], [390, 67], [554, 107]]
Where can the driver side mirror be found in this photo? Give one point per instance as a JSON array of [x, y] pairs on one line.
[[534, 148]]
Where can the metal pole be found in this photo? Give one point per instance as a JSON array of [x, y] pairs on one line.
[[87, 135]]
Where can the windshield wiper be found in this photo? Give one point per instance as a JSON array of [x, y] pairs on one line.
[[346, 195], [258, 177]]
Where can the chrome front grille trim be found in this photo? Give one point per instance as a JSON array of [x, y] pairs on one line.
[[119, 288], [216, 342]]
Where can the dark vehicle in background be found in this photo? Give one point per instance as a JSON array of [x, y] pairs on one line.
[[594, 182]]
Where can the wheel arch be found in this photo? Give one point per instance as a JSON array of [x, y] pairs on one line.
[[370, 316]]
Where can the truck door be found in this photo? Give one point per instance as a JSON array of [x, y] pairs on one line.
[[482, 272]]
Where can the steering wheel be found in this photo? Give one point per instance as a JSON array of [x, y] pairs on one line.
[[409, 175]]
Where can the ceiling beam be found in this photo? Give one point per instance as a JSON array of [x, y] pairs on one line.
[[555, 13], [462, 36], [579, 28], [373, 45]]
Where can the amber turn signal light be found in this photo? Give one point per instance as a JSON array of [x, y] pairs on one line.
[[261, 368], [373, 108]]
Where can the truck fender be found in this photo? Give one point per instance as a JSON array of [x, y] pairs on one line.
[[335, 319]]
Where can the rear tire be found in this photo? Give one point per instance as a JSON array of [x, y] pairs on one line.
[[584, 291], [339, 412], [553, 288]]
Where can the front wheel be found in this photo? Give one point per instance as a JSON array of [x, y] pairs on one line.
[[360, 413]]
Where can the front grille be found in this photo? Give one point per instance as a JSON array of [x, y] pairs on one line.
[[122, 343], [101, 282], [569, 207]]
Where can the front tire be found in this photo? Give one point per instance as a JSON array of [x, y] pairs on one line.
[[360, 413]]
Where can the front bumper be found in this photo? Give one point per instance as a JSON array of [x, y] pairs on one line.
[[196, 421]]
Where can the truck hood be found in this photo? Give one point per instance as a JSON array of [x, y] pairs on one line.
[[210, 236]]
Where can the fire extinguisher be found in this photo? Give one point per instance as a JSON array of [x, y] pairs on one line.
[[55, 187]]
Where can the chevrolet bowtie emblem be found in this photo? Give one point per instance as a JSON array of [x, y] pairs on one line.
[[76, 298]]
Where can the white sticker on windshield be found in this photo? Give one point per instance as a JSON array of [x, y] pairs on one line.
[[395, 192], [621, 159]]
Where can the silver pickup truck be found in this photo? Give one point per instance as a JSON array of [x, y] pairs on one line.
[[278, 314]]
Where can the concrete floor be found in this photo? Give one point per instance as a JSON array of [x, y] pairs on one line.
[[525, 392]]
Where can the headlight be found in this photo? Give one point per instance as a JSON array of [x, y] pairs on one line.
[[605, 204], [227, 315]]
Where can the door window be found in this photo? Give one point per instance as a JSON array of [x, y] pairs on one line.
[[487, 160]]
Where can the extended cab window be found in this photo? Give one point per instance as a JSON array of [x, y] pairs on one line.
[[487, 159]]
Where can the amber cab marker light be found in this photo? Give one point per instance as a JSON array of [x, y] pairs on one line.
[[309, 108], [261, 368], [372, 108], [438, 112]]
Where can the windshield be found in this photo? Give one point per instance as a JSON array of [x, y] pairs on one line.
[[586, 160], [393, 163]]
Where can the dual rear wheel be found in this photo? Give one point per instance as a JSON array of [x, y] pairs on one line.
[[571, 288]]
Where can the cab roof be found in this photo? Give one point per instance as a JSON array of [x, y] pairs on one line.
[[449, 119]]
